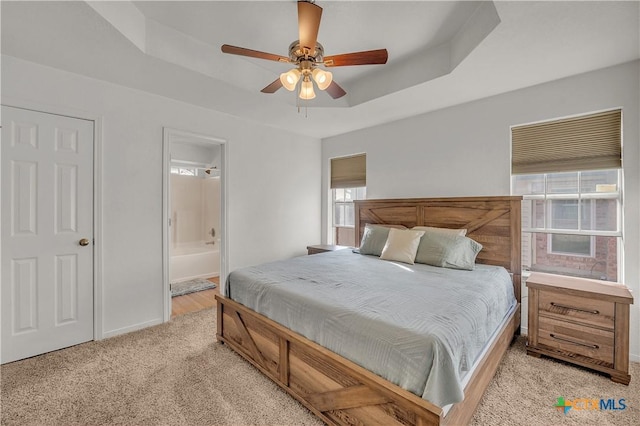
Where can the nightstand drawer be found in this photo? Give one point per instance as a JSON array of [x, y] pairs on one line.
[[590, 342], [574, 308]]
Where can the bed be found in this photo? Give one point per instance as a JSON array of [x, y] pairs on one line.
[[340, 391]]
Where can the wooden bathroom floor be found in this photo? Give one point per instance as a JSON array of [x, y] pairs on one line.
[[197, 301]]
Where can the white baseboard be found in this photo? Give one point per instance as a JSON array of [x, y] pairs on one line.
[[130, 328]]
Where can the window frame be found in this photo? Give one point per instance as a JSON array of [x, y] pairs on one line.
[[544, 227], [617, 195], [592, 239], [334, 203]]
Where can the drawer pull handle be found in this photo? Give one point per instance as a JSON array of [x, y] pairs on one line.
[[589, 311], [553, 336]]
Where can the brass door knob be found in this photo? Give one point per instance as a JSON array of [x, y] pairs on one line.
[[84, 242]]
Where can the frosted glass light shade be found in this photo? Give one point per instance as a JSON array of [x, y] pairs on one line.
[[289, 79], [322, 78], [306, 89]]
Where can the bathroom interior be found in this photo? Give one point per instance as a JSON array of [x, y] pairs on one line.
[[194, 216]]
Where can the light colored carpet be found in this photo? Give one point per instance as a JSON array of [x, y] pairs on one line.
[[175, 374], [171, 374], [525, 391]]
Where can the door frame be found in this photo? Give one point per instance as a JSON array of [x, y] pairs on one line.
[[97, 119], [168, 136]]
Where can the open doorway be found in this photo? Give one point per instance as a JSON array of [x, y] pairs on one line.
[[195, 221]]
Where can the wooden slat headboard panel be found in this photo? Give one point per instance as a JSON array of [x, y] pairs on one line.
[[494, 222]]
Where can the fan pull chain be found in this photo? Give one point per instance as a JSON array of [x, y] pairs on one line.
[[306, 110], [298, 103]]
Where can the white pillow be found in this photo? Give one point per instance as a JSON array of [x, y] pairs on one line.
[[375, 237], [462, 232], [401, 245]]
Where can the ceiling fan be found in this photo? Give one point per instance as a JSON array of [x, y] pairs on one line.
[[307, 55]]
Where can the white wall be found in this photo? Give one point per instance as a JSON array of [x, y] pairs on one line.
[[465, 151], [192, 152], [211, 207], [187, 210], [274, 199]]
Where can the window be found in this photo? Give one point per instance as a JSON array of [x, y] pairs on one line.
[[568, 171], [571, 222], [564, 214], [185, 171], [344, 213], [571, 245], [348, 183]]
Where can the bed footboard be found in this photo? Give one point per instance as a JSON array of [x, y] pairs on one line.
[[335, 389]]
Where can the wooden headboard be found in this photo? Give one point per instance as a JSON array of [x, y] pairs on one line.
[[494, 222]]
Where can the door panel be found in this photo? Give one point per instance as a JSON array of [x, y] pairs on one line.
[[24, 274], [23, 188], [66, 198], [66, 288], [47, 208]]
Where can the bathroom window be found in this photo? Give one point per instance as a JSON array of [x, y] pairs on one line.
[[184, 171]]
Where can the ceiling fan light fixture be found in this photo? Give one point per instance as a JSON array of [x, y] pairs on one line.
[[322, 78], [290, 78], [306, 54], [306, 89]]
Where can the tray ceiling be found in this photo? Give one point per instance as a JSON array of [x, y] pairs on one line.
[[440, 53]]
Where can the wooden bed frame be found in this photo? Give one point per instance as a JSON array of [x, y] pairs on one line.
[[341, 392]]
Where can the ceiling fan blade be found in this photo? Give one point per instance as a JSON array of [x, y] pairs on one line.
[[234, 50], [273, 86], [369, 57], [309, 16], [335, 91]]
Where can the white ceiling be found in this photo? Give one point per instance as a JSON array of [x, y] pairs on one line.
[[440, 53]]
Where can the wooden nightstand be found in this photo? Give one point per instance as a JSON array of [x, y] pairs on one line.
[[582, 321], [322, 248]]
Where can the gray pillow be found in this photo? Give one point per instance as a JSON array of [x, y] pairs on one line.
[[373, 239], [448, 251]]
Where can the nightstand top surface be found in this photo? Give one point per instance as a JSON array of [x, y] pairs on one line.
[[615, 292]]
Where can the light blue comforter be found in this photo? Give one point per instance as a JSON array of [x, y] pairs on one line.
[[418, 326]]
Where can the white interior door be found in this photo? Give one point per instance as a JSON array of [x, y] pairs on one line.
[[47, 232]]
